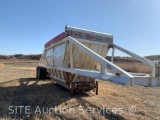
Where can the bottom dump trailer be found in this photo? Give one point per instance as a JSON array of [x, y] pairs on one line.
[[76, 58]]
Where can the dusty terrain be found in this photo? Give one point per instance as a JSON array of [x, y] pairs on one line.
[[19, 87]]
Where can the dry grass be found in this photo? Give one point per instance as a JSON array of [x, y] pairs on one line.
[[26, 68], [2, 65], [135, 67], [19, 87]]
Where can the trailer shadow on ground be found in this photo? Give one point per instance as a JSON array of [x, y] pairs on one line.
[[30, 92]]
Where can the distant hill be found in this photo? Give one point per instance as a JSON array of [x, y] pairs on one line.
[[38, 56], [20, 57], [153, 57], [131, 59]]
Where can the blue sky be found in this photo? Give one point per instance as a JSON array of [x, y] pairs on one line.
[[26, 25]]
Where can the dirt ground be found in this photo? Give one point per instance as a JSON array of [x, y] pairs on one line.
[[23, 96]]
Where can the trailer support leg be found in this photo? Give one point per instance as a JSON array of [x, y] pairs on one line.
[[96, 87], [72, 85]]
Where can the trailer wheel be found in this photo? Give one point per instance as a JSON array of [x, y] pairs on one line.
[[72, 90], [96, 87], [44, 73], [39, 73]]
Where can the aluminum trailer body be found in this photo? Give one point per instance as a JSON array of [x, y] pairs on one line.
[[76, 58]]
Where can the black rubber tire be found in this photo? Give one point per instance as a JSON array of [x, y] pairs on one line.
[[44, 73], [37, 72], [41, 73]]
